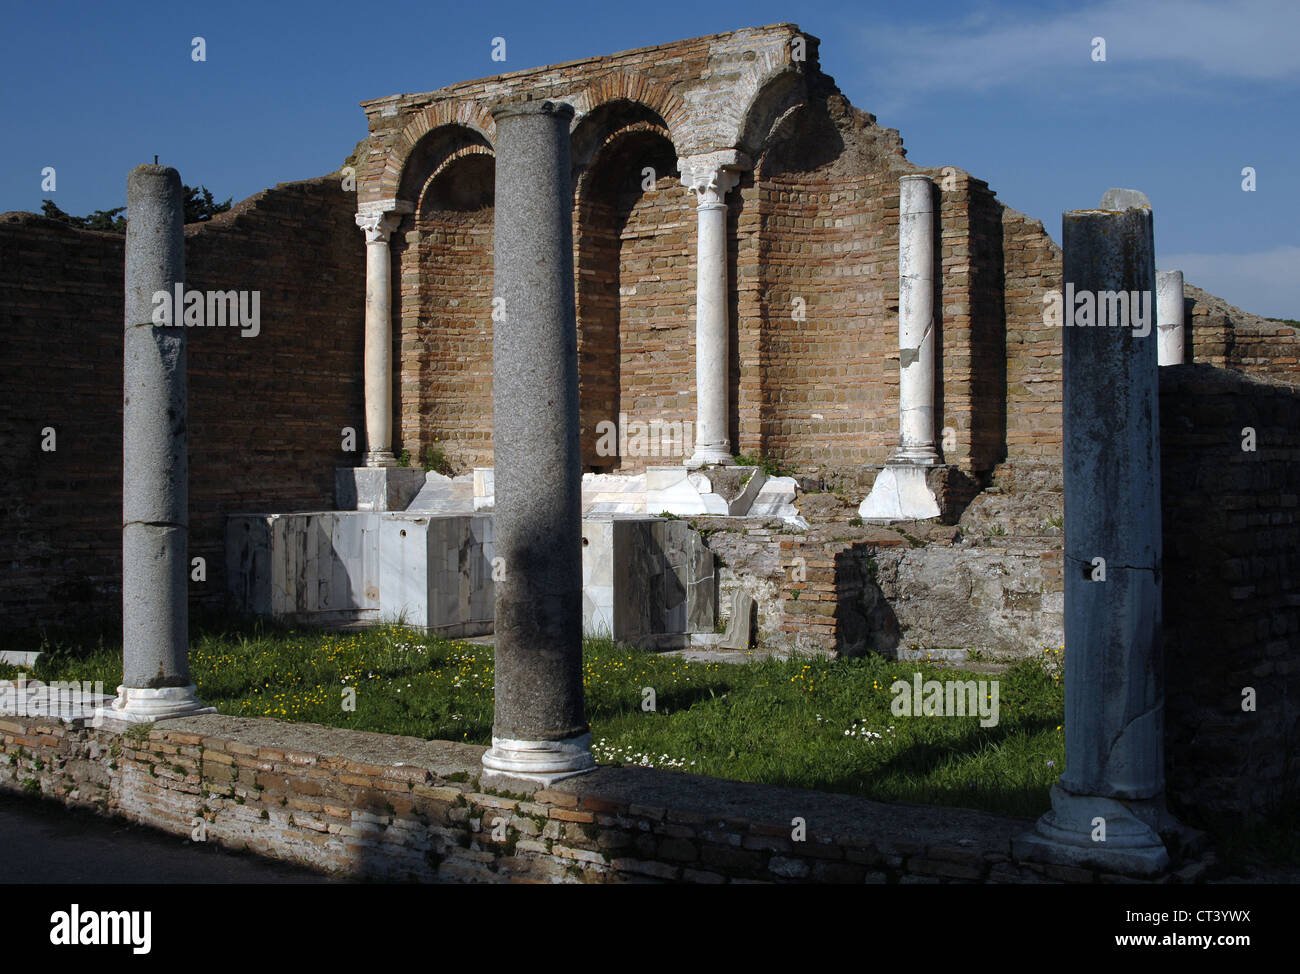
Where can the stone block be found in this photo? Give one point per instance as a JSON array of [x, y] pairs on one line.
[[900, 493], [323, 567], [376, 488], [647, 581], [436, 572]]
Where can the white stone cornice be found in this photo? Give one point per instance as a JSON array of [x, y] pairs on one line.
[[378, 225], [711, 174], [387, 206]]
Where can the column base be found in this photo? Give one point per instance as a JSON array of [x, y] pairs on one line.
[[380, 458], [922, 456], [1132, 844], [543, 762], [139, 705], [376, 488], [900, 493], [712, 454]]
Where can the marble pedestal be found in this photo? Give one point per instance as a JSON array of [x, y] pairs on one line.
[[901, 493]]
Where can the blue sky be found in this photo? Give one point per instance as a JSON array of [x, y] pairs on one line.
[[1190, 93]]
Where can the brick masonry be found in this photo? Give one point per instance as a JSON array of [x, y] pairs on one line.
[[814, 369], [813, 228], [1231, 587], [378, 807], [266, 413]]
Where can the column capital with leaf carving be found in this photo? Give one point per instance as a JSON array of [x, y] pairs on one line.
[[380, 220], [710, 175]]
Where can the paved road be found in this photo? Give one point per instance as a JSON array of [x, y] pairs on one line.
[[41, 842]]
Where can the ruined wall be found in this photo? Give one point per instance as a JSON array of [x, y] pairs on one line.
[[1231, 588], [265, 412], [825, 236], [1224, 335], [443, 318], [395, 809], [1032, 264], [635, 284], [61, 305]]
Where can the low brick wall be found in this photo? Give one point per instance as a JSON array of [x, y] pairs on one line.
[[373, 806]]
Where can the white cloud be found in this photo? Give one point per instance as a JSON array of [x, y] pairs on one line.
[[1249, 39], [1266, 283]]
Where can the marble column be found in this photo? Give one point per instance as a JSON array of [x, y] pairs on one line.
[[378, 225], [1108, 808], [539, 727], [901, 491], [155, 466], [1170, 316], [710, 176]]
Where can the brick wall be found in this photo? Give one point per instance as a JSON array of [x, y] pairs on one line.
[[1224, 335], [443, 317], [265, 412], [374, 806], [61, 303], [635, 285], [829, 383], [1032, 268], [1231, 588]]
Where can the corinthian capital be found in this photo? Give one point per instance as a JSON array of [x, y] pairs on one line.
[[710, 175], [378, 224]]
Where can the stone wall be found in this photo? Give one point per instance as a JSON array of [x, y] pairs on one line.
[[1231, 588], [1224, 335], [816, 220], [266, 412], [379, 807]]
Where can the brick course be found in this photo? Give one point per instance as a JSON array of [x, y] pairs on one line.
[[377, 807]]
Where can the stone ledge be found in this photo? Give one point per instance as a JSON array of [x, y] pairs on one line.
[[376, 806]]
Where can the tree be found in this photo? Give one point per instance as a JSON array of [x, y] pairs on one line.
[[199, 206], [107, 220]]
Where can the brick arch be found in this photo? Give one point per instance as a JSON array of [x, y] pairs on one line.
[[770, 86], [635, 87], [463, 114], [632, 289], [473, 149], [444, 331], [614, 135]]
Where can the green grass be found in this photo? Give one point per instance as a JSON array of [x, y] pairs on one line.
[[774, 722]]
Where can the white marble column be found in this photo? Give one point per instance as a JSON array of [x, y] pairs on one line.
[[901, 491], [710, 176], [916, 320], [1169, 317], [378, 224]]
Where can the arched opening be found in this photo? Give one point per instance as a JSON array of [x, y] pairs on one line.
[[633, 242], [445, 354]]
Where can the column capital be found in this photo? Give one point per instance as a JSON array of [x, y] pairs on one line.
[[378, 226], [709, 175]]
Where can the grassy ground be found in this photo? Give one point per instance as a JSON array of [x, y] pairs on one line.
[[816, 724]]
